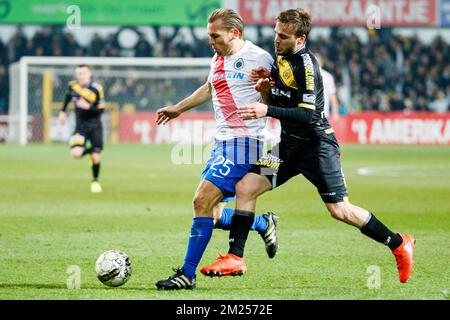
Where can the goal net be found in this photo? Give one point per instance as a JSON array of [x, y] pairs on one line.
[[131, 85]]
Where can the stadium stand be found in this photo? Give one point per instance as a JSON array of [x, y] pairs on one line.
[[386, 73]]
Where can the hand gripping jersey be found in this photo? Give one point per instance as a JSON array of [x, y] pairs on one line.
[[231, 87]]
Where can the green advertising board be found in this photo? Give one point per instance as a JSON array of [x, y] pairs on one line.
[[107, 12]]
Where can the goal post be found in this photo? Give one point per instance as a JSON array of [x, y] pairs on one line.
[[38, 86]]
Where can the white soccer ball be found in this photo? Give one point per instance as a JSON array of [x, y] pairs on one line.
[[113, 268]]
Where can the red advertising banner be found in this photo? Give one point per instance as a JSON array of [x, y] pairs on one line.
[[195, 127], [345, 12], [192, 127], [360, 128], [395, 128]]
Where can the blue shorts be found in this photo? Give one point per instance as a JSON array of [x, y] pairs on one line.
[[230, 160]]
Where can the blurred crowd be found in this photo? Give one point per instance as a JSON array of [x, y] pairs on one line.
[[389, 72], [386, 73]]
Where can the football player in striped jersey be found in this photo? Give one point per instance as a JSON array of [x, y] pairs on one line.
[[89, 100]]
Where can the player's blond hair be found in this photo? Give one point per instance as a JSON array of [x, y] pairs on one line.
[[298, 18], [230, 19]]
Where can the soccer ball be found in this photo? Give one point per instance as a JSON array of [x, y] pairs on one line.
[[113, 268]]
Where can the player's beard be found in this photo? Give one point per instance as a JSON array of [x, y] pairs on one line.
[[285, 50]]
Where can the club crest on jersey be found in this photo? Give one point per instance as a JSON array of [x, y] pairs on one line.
[[239, 64]]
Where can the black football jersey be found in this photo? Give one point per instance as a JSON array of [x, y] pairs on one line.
[[298, 84], [93, 93]]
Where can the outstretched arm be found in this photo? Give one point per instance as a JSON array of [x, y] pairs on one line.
[[201, 95]]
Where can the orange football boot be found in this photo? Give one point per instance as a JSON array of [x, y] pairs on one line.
[[404, 257], [228, 265]]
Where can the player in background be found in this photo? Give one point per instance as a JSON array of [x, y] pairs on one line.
[[238, 143], [88, 98], [329, 92], [308, 146]]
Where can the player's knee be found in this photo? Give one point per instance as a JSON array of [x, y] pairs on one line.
[[76, 153], [96, 157], [244, 190], [201, 203]]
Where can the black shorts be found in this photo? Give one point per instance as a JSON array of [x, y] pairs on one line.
[[92, 133], [318, 159]]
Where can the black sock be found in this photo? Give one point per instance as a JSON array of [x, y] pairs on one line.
[[87, 151], [240, 226], [95, 170], [379, 232]]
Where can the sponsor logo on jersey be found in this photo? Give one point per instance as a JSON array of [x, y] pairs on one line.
[[229, 75], [281, 93], [309, 98], [309, 72], [269, 161]]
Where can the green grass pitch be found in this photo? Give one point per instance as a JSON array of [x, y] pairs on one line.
[[50, 221]]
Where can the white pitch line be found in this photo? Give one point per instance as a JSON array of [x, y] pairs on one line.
[[405, 170]]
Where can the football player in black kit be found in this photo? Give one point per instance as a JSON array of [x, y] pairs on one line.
[[88, 98], [293, 93]]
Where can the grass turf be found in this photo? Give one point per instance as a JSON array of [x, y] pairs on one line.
[[50, 221]]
